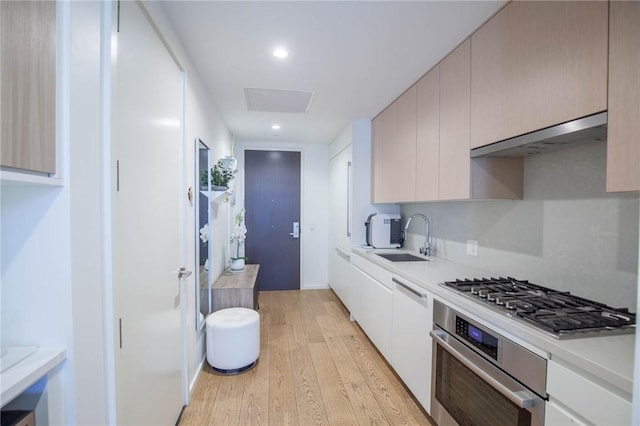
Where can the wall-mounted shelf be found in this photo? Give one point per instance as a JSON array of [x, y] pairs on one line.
[[11, 178], [218, 196], [19, 377]]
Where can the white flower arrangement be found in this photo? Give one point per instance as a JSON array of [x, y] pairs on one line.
[[239, 233], [204, 233]]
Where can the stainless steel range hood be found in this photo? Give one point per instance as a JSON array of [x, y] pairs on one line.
[[593, 127]]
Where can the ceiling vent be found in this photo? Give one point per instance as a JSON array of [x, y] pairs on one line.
[[270, 100]]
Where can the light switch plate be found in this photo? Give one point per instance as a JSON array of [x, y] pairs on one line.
[[472, 247]]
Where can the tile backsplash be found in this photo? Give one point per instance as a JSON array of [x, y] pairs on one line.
[[566, 233]]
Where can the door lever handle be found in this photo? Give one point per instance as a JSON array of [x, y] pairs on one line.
[[183, 273], [296, 230]]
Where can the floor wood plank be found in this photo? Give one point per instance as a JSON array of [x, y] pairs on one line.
[[372, 366], [255, 399], [315, 368], [334, 394], [282, 399], [311, 409], [226, 408]]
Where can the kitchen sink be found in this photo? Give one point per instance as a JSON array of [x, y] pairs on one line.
[[402, 257]]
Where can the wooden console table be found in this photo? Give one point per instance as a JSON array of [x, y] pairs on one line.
[[236, 289]]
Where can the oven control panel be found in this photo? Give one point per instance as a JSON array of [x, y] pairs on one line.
[[478, 338]]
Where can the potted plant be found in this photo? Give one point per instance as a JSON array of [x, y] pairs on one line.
[[220, 177], [238, 234], [204, 180]]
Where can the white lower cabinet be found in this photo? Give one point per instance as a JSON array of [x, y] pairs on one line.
[[340, 277], [410, 341], [397, 317], [555, 415], [376, 301], [583, 401]]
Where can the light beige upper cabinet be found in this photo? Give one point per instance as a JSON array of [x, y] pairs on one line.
[[376, 158], [28, 85], [623, 139], [460, 177], [455, 80], [537, 64], [384, 140], [428, 136], [401, 181], [394, 151], [421, 143]]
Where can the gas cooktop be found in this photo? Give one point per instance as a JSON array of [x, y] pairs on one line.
[[561, 314]]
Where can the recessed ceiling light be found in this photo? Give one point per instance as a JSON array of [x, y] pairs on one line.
[[276, 127], [280, 53]]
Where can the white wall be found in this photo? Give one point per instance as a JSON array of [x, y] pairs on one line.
[[36, 277], [343, 140], [567, 233], [88, 179], [314, 224]]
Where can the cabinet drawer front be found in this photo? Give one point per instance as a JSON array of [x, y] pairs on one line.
[[377, 272], [590, 400], [411, 343], [375, 311], [556, 416]]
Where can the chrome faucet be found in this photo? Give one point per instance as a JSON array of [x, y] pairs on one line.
[[426, 249]]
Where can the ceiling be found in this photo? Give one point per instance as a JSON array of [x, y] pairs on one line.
[[355, 57]]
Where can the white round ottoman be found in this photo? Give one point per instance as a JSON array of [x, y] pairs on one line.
[[233, 340]]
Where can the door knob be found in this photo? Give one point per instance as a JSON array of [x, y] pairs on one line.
[[183, 273]]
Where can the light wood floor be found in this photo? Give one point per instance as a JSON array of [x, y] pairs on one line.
[[315, 368]]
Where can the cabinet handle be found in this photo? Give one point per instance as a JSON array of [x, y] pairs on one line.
[[343, 255], [406, 287], [348, 198]]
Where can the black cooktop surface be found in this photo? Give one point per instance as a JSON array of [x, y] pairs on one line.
[[559, 313]]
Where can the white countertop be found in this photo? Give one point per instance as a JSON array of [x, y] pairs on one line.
[[608, 358], [20, 376]]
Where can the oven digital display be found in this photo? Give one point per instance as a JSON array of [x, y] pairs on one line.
[[477, 337], [475, 334]]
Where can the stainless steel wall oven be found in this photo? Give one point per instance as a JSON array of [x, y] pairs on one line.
[[479, 377]]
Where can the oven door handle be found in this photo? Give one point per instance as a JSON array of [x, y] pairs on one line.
[[523, 398]]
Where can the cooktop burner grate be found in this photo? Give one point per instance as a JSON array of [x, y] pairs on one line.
[[559, 313]]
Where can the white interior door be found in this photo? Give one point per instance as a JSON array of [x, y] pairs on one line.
[[147, 157]]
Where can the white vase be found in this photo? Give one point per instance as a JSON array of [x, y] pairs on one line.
[[237, 264]]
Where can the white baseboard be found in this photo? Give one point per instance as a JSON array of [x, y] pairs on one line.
[[314, 287], [194, 381]]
